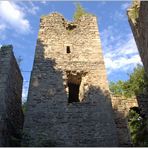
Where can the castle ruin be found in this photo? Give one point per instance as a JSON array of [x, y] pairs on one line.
[[11, 115], [69, 102], [138, 20]]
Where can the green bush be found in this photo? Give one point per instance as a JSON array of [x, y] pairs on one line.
[[135, 85], [80, 11], [138, 128]]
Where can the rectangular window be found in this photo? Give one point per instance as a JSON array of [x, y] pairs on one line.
[[68, 49]]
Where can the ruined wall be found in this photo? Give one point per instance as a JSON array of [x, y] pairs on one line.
[[143, 104], [121, 107], [11, 116], [69, 55], [138, 19]]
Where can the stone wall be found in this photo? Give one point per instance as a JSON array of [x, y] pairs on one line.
[[139, 26], [143, 104], [69, 60], [138, 19], [121, 107], [11, 116]]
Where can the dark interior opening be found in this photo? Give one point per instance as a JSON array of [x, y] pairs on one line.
[[71, 26], [68, 49], [73, 92]]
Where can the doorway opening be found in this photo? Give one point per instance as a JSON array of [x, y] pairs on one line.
[[73, 92], [73, 84]]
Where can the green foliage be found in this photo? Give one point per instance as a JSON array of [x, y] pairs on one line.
[[138, 80], [117, 88], [137, 126], [79, 11], [134, 12], [24, 107], [135, 85]]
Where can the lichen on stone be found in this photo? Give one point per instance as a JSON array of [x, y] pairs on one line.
[[133, 12]]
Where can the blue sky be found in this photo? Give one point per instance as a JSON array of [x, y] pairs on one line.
[[19, 25]]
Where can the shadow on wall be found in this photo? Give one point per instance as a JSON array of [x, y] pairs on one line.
[[11, 115], [121, 107], [50, 120], [44, 103], [123, 131]]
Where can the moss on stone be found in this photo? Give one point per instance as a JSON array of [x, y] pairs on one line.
[[133, 12]]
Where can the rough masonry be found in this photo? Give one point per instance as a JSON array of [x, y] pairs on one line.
[[121, 107], [11, 115], [69, 102], [138, 19]]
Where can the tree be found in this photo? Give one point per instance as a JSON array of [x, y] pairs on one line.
[[138, 128], [117, 88], [79, 11], [24, 106], [135, 85]]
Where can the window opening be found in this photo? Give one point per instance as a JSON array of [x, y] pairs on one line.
[[68, 49]]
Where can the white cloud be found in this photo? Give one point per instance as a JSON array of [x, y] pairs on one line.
[[43, 1], [29, 7], [25, 90], [120, 53], [13, 17], [125, 6], [33, 10], [119, 16], [24, 93], [2, 27], [101, 3], [2, 31], [2, 36]]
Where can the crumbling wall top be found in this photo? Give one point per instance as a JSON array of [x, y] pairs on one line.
[[7, 50], [59, 17], [133, 11], [6, 47]]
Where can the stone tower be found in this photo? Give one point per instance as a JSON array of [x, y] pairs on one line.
[[69, 102]]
